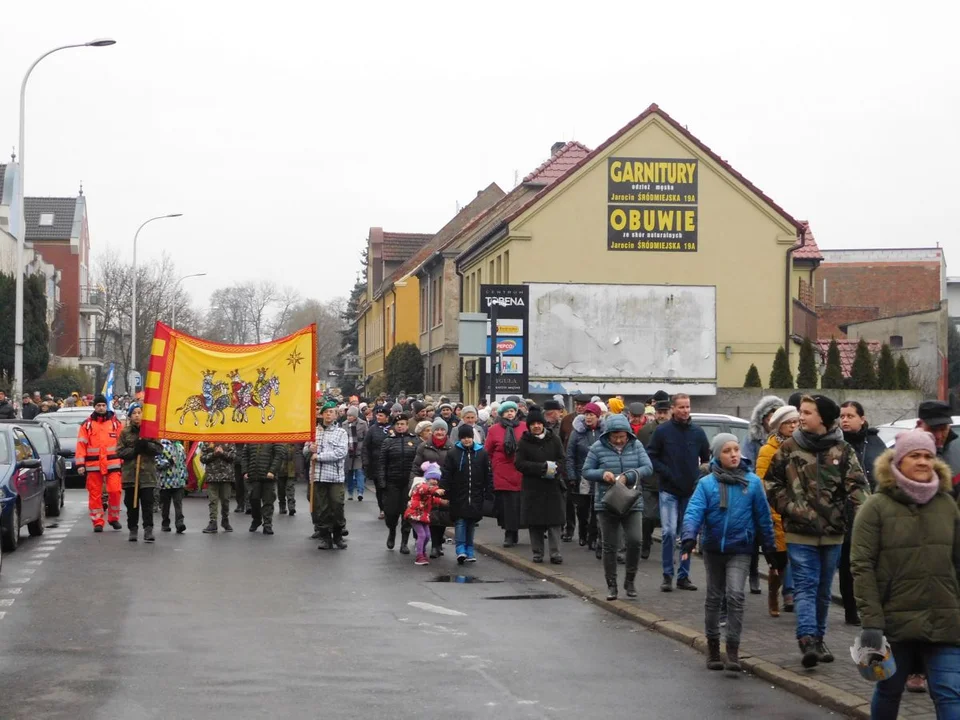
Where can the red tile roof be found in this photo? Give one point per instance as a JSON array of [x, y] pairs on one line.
[[809, 250], [559, 163], [848, 350], [398, 247]]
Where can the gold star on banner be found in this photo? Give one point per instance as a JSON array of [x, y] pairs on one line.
[[294, 359]]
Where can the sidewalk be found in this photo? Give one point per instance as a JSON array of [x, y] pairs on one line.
[[768, 645]]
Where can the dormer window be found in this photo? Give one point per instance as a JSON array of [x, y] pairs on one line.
[[46, 220]]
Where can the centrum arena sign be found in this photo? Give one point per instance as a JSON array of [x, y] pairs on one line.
[[652, 204]]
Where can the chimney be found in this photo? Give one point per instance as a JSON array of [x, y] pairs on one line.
[[557, 147]]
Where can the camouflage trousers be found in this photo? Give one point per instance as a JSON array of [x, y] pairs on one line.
[[286, 493]]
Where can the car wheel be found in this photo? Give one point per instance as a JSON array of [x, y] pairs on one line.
[[10, 532], [53, 507], [35, 528]]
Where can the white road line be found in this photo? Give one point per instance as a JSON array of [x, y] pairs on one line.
[[41, 555], [33, 562], [6, 602], [435, 609], [10, 591], [2, 615], [26, 571], [49, 542], [18, 581]]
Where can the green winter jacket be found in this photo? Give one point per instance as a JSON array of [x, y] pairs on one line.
[[905, 560], [128, 448], [816, 484], [262, 458]]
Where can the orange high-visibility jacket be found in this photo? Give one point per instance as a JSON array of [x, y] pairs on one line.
[[97, 443]]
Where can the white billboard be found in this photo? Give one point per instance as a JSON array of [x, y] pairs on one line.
[[622, 333]]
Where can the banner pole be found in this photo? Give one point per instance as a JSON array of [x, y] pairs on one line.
[[136, 483]]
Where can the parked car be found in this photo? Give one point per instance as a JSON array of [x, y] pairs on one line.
[[22, 487], [66, 424], [888, 433], [714, 424], [45, 441]]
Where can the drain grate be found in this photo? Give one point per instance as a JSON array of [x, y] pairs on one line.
[[461, 579], [529, 596]]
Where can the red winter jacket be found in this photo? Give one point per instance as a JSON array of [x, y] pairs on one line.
[[423, 498], [505, 475]]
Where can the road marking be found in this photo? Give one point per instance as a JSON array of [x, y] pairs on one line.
[[10, 591], [41, 554], [18, 581], [2, 615], [33, 562], [26, 571], [6, 602], [49, 543], [428, 607]]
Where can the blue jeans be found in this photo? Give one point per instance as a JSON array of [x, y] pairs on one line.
[[356, 481], [672, 509], [787, 580], [463, 535], [813, 569], [942, 664]]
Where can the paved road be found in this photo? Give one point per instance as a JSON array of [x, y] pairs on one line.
[[250, 626]]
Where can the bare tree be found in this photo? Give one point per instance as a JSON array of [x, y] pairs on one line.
[[288, 300], [327, 316]]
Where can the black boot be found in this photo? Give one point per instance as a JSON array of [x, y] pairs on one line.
[[239, 508], [254, 525], [391, 538], [404, 539], [181, 528], [808, 646], [823, 652], [225, 523], [629, 587], [325, 542], [210, 529], [713, 654], [508, 541], [612, 588], [338, 540], [733, 658], [115, 524], [148, 534]]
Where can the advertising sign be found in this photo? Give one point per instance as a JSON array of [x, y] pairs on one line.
[[652, 204], [510, 304]]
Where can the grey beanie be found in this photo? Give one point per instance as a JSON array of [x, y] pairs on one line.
[[468, 409], [396, 409], [719, 440], [353, 411], [440, 424]]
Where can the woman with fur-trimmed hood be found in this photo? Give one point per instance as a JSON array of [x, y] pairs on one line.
[[759, 431]]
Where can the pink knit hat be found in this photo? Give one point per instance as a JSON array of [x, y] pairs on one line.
[[592, 407], [907, 442]]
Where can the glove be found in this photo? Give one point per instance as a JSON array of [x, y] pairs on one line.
[[776, 561], [871, 638], [687, 546]]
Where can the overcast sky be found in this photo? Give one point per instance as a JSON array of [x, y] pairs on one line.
[[284, 130]]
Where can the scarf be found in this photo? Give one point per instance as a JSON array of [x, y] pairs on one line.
[[541, 436], [352, 440], [918, 492], [437, 442], [818, 443], [509, 436], [725, 477]]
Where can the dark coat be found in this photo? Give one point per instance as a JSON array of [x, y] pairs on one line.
[[581, 440], [129, 447], [396, 460], [869, 447], [6, 411], [428, 452], [652, 482], [372, 444], [677, 450], [29, 411], [468, 480], [262, 458], [541, 502]]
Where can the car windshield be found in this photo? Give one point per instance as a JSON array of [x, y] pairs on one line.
[[38, 436], [67, 426]]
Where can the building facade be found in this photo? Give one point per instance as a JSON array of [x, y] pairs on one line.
[[652, 264]]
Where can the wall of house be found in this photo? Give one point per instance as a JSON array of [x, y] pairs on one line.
[[564, 239], [67, 260]]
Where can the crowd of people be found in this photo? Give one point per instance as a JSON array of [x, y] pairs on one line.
[[34, 404], [811, 488]]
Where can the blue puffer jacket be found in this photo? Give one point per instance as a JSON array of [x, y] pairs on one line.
[[578, 446], [731, 531], [632, 461]]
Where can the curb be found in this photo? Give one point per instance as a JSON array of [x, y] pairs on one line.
[[815, 691]]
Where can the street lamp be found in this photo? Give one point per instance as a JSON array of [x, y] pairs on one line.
[[173, 320], [22, 226], [133, 312]]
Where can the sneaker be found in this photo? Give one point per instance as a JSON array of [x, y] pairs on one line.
[[98, 528], [421, 559], [115, 524], [556, 559], [350, 498], [461, 559], [667, 584], [537, 558], [471, 558], [360, 498], [685, 584], [916, 683]]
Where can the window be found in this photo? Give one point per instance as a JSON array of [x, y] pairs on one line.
[[24, 448], [38, 436], [439, 378], [896, 341], [423, 307], [46, 220]]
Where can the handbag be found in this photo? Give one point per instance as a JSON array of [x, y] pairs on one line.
[[619, 499]]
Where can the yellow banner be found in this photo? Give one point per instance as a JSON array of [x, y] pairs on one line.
[[200, 390]]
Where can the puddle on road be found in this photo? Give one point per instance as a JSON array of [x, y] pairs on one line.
[[461, 579], [533, 596]]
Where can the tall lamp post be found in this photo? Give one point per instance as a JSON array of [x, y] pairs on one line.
[[173, 320], [22, 226], [133, 310]]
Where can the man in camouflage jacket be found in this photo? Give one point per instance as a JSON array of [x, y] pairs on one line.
[[219, 477], [816, 484]]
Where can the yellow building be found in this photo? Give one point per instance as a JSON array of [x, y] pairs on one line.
[[651, 263], [388, 313]]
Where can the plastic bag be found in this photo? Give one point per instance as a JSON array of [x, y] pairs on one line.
[[873, 666]]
